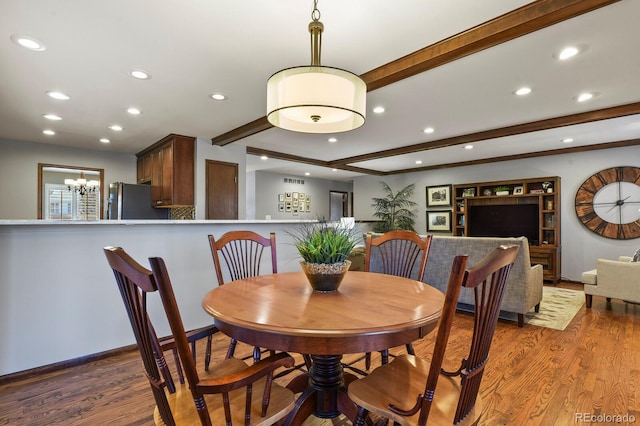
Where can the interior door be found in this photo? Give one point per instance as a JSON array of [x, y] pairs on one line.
[[339, 205], [221, 190]]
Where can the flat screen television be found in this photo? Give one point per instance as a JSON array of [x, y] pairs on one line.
[[513, 220]]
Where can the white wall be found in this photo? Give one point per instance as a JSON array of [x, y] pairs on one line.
[[19, 172], [268, 185], [580, 247]]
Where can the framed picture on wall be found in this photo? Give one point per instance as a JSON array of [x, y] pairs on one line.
[[287, 206], [280, 207], [281, 198], [439, 221], [439, 196], [295, 196]]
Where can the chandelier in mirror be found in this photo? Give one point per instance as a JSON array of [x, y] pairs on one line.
[[315, 98]]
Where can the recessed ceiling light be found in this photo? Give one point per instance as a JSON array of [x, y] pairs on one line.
[[428, 130], [264, 157], [28, 42], [218, 96], [58, 95], [468, 147], [116, 127], [52, 117], [568, 52], [567, 140], [49, 132], [333, 140], [523, 91], [134, 111], [418, 161], [583, 97], [378, 109], [307, 174], [140, 74], [334, 170], [104, 140]]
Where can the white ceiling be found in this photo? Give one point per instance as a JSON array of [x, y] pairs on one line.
[[195, 47]]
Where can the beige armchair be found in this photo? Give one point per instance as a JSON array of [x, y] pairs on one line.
[[618, 279]]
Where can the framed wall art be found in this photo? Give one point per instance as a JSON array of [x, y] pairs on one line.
[[439, 196], [439, 221]]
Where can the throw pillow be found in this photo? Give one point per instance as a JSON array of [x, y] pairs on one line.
[[636, 256]]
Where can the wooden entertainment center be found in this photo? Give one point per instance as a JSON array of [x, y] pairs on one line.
[[543, 193]]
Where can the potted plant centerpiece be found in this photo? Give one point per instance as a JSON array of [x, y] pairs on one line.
[[324, 250]]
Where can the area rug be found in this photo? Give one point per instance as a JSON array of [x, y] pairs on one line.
[[557, 309]]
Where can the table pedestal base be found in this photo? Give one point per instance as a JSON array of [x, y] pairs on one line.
[[325, 391]]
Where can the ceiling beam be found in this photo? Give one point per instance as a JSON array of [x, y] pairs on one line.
[[297, 159], [524, 20], [572, 150], [534, 126]]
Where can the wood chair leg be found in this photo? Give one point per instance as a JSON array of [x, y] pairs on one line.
[[537, 308], [410, 350], [367, 361], [385, 356], [207, 353], [178, 366], [362, 415], [232, 348]]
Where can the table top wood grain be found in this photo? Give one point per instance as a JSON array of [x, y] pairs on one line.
[[369, 312]]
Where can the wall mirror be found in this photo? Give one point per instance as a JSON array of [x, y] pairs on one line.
[[69, 192]]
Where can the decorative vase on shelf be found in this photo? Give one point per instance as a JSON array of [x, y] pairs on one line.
[[325, 277]]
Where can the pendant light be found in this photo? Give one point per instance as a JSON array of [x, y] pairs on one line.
[[315, 98]]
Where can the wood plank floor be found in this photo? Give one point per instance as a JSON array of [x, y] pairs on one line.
[[535, 376]]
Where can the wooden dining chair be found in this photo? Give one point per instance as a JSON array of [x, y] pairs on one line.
[[242, 254], [411, 390], [401, 253], [244, 394]]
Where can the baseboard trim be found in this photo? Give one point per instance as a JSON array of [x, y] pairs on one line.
[[51, 368]]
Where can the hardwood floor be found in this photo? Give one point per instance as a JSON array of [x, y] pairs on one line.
[[535, 376]]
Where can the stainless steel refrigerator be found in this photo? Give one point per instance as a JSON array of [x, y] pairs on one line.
[[132, 201]]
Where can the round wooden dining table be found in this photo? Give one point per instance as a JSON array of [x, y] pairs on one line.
[[368, 312]]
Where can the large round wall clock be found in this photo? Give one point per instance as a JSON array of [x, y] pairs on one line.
[[608, 203]]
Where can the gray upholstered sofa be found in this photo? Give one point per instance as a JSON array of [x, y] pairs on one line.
[[524, 288]]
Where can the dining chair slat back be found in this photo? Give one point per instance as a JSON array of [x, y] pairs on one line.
[[401, 253], [411, 390], [245, 392]]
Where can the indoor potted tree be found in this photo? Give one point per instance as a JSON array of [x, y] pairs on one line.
[[324, 250], [393, 210]]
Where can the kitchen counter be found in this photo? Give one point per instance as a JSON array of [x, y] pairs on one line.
[[57, 291]]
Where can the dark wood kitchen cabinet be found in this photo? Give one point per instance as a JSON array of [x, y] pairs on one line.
[[168, 165]]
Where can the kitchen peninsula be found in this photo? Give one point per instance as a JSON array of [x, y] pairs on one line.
[[58, 297]]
